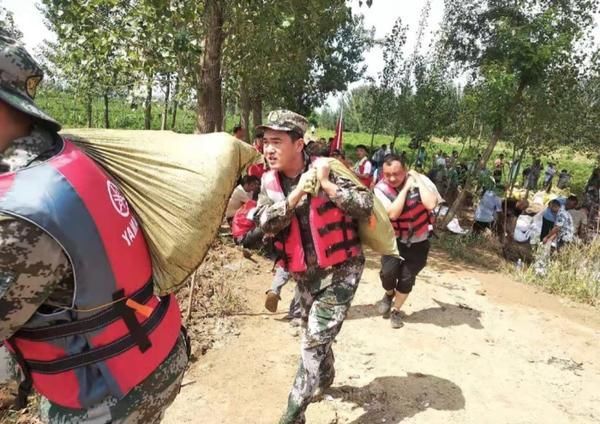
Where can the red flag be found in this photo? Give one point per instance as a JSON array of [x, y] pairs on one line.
[[338, 140]]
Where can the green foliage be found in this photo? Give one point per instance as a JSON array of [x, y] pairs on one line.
[[293, 54], [7, 23], [513, 46]]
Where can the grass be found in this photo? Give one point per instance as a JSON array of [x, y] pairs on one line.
[[573, 272]]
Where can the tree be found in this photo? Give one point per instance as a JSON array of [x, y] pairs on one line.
[[90, 53], [510, 47], [292, 54], [385, 97], [209, 69], [7, 23]]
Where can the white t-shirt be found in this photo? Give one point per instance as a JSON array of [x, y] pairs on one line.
[[238, 198], [367, 166], [523, 228]]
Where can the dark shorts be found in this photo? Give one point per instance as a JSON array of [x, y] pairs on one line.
[[479, 227], [401, 275]]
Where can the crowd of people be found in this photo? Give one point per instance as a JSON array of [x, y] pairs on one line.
[[520, 223]]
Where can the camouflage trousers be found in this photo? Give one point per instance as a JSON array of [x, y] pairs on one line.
[[145, 404], [323, 313]]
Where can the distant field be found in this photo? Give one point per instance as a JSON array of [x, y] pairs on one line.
[[69, 109]]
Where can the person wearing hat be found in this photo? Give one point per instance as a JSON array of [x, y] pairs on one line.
[[77, 311], [318, 243]]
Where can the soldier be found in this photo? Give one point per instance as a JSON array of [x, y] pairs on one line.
[[409, 200], [318, 241], [77, 310]]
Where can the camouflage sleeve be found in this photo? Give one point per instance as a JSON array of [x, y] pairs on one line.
[[272, 217], [355, 200], [31, 266]]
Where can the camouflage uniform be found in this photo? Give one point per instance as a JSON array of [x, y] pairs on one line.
[[35, 274], [325, 295]]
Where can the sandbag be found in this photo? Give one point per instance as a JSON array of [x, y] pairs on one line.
[[177, 184], [376, 232]]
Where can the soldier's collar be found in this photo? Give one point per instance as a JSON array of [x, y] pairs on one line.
[[24, 150]]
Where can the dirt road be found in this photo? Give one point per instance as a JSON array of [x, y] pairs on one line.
[[476, 348]]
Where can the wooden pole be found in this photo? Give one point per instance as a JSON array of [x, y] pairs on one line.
[[191, 297]]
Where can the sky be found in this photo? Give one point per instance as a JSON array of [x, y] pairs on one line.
[[382, 16]]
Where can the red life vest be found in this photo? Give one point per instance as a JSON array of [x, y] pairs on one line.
[[367, 181], [76, 358], [241, 225], [334, 234], [256, 170], [415, 220]]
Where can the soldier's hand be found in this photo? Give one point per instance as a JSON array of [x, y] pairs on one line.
[[308, 181]]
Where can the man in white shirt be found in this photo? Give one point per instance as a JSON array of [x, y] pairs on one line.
[[241, 194], [363, 168]]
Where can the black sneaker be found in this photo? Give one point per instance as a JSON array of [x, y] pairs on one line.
[[385, 305], [396, 319]]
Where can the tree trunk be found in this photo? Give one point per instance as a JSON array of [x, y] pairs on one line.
[[106, 121], [513, 178], [484, 158], [219, 113], [209, 90], [245, 106], [376, 124], [257, 111], [224, 115], [148, 105], [163, 124], [175, 102], [372, 138], [88, 111], [462, 149]]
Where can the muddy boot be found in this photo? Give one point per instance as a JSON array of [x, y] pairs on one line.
[[396, 319], [325, 384], [385, 305], [272, 301]]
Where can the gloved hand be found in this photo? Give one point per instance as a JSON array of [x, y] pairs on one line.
[[308, 181]]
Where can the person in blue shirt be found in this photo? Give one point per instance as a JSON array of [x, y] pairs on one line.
[[490, 206], [549, 217]]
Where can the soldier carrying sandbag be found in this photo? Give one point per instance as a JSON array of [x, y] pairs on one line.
[[77, 310], [318, 240]]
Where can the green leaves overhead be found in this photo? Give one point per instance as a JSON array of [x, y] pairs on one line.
[[7, 23]]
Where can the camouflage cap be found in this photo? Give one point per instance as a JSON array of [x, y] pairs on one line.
[[285, 120], [19, 78]]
